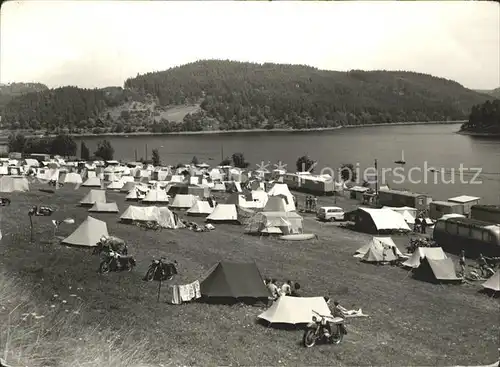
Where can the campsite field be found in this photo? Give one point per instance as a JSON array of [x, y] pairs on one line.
[[411, 323]]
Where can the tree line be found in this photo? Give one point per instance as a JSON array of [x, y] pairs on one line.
[[62, 145], [238, 95], [484, 118]]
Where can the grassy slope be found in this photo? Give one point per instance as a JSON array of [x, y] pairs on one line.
[[411, 323]]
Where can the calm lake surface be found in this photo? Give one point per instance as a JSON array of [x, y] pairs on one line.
[[424, 147]]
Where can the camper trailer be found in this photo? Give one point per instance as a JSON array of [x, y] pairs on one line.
[[486, 213], [473, 236], [466, 201], [403, 198], [439, 208]]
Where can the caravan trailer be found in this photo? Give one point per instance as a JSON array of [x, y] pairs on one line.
[[473, 236]]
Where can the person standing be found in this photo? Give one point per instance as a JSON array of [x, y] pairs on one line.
[[423, 225], [462, 262]]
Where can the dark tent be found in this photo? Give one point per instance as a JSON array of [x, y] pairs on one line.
[[234, 281], [437, 271]]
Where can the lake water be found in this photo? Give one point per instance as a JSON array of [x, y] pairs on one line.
[[424, 147]]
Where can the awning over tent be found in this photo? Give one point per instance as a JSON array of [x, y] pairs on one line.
[[295, 310]]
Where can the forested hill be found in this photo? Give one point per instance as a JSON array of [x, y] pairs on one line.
[[227, 95], [247, 95], [13, 90], [484, 119]]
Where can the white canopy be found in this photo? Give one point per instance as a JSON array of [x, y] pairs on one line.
[[386, 219]]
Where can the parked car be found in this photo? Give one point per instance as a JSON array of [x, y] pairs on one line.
[[330, 213]]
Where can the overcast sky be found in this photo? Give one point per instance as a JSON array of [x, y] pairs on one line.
[[101, 43]]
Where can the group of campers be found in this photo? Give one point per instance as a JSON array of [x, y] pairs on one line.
[[311, 203], [288, 288], [486, 270], [420, 225]]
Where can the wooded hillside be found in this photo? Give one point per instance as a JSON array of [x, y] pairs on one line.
[[237, 95], [484, 118]]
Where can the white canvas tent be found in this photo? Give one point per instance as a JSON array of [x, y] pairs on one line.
[[115, 185], [14, 183], [386, 219], [161, 215], [88, 233], [100, 207], [277, 204], [493, 282], [295, 310], [223, 213], [433, 253], [200, 208], [184, 201], [92, 182], [94, 196], [130, 185], [219, 186], [156, 196], [73, 178], [378, 243], [275, 223], [259, 198], [280, 189]]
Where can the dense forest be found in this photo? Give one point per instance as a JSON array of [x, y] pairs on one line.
[[10, 91], [240, 95], [484, 118]]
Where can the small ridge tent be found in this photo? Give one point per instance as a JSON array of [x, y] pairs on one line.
[[219, 186], [493, 282], [100, 207], [128, 186], [295, 310], [232, 281], [223, 213], [88, 233], [73, 178], [275, 223], [200, 208], [94, 196], [92, 182], [433, 253], [14, 183], [376, 247], [436, 271], [156, 196], [115, 185], [183, 201], [161, 215]]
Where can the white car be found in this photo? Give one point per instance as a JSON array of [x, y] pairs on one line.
[[330, 213]]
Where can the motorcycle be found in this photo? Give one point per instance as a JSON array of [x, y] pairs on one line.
[[116, 263], [317, 330], [160, 270]]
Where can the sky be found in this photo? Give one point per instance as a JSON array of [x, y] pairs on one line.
[[101, 43]]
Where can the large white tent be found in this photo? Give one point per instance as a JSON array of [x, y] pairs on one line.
[[200, 208], [73, 178], [156, 196], [184, 201], [94, 196], [14, 183], [223, 213], [280, 189], [100, 207]]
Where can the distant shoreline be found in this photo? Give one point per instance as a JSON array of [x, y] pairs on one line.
[[243, 131]]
